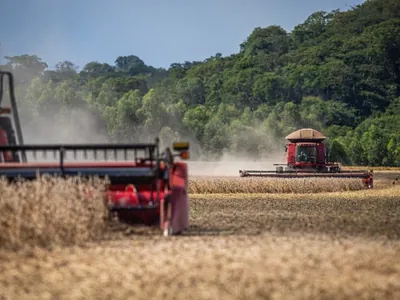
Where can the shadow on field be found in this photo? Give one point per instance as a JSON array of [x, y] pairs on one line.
[[198, 230], [371, 217], [384, 180], [119, 230], [367, 217]]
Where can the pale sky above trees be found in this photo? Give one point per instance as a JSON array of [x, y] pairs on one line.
[[158, 31]]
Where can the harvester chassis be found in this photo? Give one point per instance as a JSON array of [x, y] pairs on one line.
[[154, 172], [307, 157], [149, 188]]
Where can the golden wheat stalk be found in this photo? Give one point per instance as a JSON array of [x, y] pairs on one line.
[[207, 185], [50, 211]]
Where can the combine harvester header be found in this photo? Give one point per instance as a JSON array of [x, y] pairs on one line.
[[307, 157], [147, 187]]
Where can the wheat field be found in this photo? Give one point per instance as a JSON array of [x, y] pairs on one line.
[[51, 211], [249, 239], [233, 185]]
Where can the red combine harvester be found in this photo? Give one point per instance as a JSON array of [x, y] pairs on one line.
[[151, 187], [307, 157]]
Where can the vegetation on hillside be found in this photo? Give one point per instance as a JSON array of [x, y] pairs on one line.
[[338, 72]]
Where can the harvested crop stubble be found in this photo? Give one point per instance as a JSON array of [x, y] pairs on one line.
[[214, 185], [266, 266], [238, 246], [380, 168], [50, 211]]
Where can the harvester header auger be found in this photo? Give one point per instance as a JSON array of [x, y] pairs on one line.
[[307, 156], [146, 186]]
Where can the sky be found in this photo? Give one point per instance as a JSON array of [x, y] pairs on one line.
[[160, 32]]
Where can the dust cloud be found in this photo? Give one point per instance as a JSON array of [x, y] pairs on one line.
[[231, 162], [80, 127], [229, 165], [202, 163]]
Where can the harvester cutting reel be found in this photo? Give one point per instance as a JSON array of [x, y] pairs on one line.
[[365, 176], [148, 188]]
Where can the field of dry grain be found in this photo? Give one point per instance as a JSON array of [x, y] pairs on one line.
[[327, 243], [250, 185]]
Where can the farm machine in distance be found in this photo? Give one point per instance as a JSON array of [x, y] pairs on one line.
[[307, 157], [147, 186]]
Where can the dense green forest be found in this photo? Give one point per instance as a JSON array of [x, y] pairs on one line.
[[338, 72]]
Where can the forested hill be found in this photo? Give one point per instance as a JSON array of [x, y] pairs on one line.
[[338, 72]]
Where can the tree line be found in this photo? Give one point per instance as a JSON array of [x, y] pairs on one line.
[[338, 72]]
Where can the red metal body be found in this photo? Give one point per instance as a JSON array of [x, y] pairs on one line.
[[317, 156], [307, 157], [5, 156], [155, 206]]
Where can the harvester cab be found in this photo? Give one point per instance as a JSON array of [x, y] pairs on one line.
[[307, 156], [145, 187], [307, 152]]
